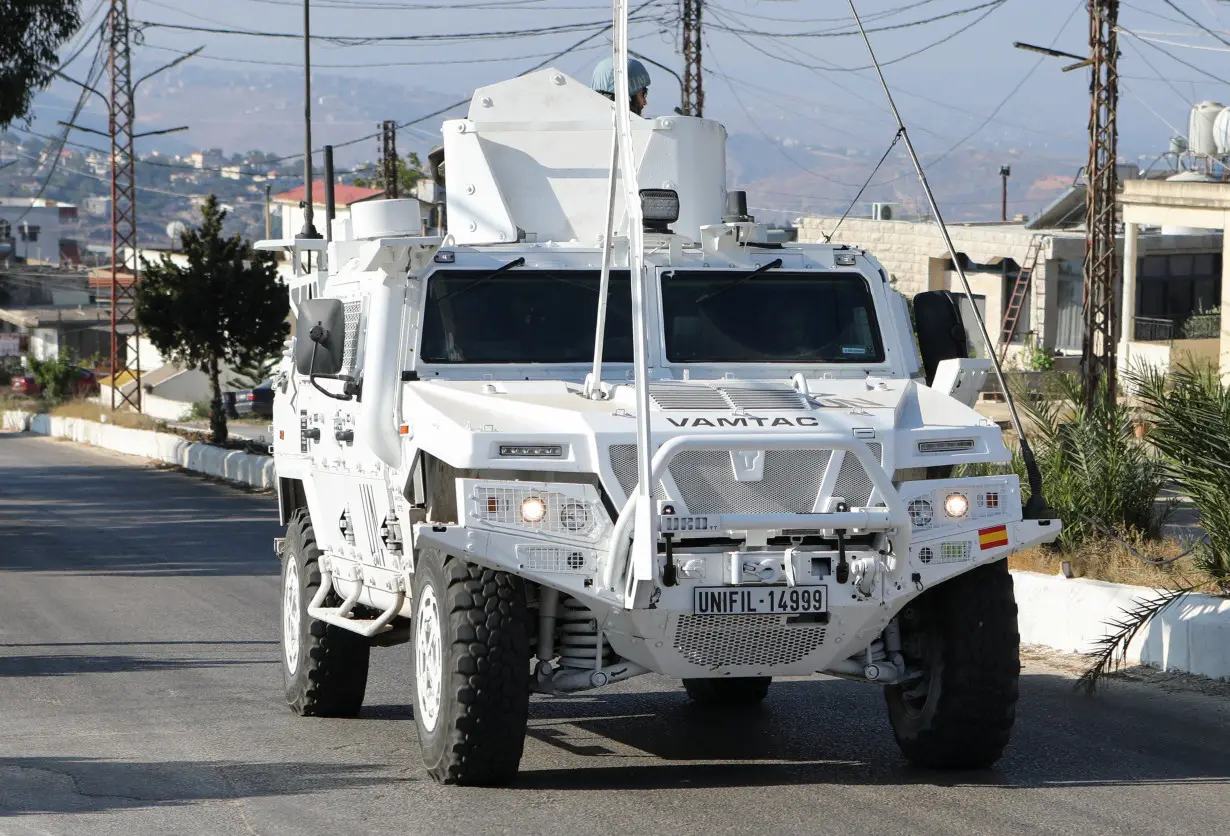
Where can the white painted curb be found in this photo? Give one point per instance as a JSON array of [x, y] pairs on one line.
[[1192, 635], [232, 465]]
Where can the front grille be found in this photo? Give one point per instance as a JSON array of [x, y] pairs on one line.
[[744, 640], [791, 482], [853, 483], [678, 395]]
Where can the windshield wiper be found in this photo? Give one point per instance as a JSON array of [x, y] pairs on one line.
[[516, 262], [777, 262]]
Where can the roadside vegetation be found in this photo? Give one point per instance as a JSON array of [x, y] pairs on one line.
[[1105, 470]]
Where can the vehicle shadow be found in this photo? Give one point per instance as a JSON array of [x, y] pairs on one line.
[[833, 732], [41, 785]]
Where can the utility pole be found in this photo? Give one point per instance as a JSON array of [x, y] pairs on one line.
[[388, 157], [693, 83], [1101, 278], [268, 213], [1005, 171], [123, 214]]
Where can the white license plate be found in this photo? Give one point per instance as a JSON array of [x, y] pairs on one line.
[[759, 600]]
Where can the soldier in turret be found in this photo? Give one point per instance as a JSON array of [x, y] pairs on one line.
[[638, 82]]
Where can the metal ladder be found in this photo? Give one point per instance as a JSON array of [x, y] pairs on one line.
[[1020, 292]]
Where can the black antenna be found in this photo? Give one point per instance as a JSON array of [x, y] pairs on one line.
[[330, 204], [309, 231], [1035, 508]]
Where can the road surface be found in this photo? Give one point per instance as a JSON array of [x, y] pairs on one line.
[[140, 693]]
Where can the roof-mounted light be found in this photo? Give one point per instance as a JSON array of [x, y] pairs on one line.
[[445, 257], [659, 208]]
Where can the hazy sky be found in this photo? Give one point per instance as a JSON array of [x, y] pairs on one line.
[[945, 92]]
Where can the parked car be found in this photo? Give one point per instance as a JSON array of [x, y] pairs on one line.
[[85, 384], [255, 403]]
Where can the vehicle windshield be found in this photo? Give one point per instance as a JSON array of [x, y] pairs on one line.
[[774, 317], [524, 316]]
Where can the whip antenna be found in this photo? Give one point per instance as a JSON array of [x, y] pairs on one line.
[[1036, 506]]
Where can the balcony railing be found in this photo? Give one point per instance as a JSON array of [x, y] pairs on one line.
[[1154, 329], [1164, 329]]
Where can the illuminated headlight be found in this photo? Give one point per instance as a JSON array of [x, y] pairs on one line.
[[956, 505], [533, 509], [532, 451]]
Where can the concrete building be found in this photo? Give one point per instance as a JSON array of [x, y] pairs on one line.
[[1169, 311], [1200, 285], [83, 331], [39, 230]]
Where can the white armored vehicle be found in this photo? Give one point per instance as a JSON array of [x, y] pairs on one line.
[[576, 440]]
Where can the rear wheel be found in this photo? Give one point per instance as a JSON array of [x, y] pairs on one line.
[[471, 670], [738, 691], [324, 668], [963, 634]]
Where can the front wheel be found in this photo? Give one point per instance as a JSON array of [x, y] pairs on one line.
[[324, 668], [471, 670], [963, 635]]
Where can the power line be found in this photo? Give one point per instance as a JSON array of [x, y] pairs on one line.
[[1171, 55], [852, 32], [1196, 23]]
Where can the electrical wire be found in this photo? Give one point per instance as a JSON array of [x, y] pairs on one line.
[[1141, 55], [854, 32], [881, 15], [1171, 55], [1196, 23]]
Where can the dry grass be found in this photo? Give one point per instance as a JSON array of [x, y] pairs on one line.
[[91, 411], [1107, 560]]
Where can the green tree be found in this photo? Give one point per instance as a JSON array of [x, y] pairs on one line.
[[226, 306], [30, 38], [409, 172], [55, 375]]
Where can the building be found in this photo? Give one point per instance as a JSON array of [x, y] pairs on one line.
[[39, 231], [1171, 305], [232, 172], [84, 331], [210, 158], [290, 205]]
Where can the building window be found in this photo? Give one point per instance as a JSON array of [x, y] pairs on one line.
[[1178, 286]]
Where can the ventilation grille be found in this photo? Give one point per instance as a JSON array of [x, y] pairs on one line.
[[853, 483], [679, 395], [553, 559], [791, 482], [763, 397], [744, 640], [350, 352], [669, 396], [623, 462]]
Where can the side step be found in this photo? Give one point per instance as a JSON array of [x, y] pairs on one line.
[[340, 616]]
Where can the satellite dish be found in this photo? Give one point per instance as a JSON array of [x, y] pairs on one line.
[[175, 229]]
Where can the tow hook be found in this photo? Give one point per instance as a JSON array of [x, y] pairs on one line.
[[842, 573], [670, 574]]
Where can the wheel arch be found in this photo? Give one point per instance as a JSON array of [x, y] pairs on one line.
[[291, 497]]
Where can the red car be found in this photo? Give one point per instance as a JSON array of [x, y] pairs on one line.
[[85, 385]]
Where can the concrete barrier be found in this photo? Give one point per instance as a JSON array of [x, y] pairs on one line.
[[1191, 635], [232, 465]]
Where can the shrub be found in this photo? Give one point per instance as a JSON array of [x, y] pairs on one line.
[[1189, 413], [55, 377], [1097, 475]]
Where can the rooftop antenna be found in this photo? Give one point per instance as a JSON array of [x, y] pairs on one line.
[[309, 230], [1035, 508]]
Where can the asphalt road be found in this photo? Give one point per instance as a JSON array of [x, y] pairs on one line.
[[140, 692]]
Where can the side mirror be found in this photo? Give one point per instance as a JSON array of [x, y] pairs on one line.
[[320, 337], [941, 331]]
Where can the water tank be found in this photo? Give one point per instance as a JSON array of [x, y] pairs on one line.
[[1200, 127], [1189, 177], [1178, 144], [1221, 131]]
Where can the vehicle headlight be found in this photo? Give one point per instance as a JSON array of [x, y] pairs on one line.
[[574, 516], [956, 505], [533, 509]]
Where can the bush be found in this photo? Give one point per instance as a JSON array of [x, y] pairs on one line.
[[200, 411], [1189, 413], [55, 377], [1097, 475]]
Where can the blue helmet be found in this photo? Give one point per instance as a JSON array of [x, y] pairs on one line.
[[604, 76]]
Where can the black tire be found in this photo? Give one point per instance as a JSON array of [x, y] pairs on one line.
[[471, 713], [964, 635], [728, 693], [329, 675]]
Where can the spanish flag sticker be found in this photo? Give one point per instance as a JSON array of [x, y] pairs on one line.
[[993, 538]]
